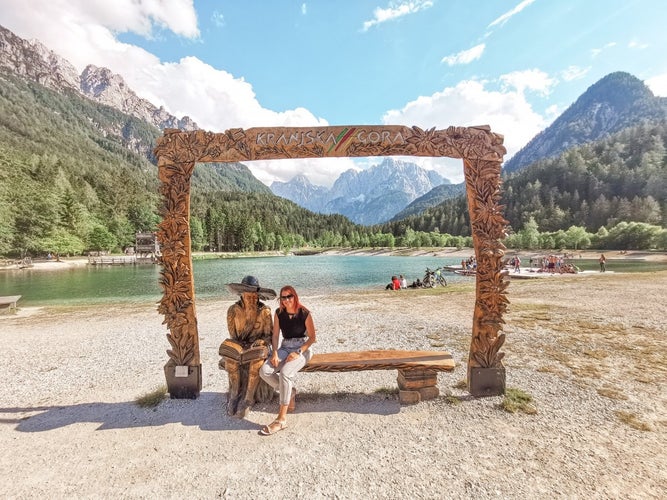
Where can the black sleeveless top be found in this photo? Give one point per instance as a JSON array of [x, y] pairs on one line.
[[294, 327]]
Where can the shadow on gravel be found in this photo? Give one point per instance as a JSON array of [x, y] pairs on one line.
[[206, 412]]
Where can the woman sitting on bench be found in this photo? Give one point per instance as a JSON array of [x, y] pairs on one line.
[[296, 324]]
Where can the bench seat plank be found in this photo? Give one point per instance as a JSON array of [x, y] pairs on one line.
[[380, 360]]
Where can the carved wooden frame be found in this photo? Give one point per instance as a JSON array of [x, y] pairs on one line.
[[482, 152]]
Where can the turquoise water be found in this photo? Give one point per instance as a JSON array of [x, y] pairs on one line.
[[310, 275]]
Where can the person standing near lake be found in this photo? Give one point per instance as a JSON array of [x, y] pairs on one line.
[[603, 263], [279, 371]]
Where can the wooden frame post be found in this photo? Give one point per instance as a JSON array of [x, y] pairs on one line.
[[480, 149]]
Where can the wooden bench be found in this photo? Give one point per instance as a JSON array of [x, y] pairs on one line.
[[9, 303], [417, 370]]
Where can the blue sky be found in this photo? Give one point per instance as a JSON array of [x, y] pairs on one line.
[[514, 65]]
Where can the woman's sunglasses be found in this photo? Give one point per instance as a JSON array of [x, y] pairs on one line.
[[286, 297]]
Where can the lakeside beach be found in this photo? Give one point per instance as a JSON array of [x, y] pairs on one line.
[[590, 351]]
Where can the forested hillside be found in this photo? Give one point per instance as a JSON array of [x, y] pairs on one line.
[[78, 176], [620, 179], [64, 183]]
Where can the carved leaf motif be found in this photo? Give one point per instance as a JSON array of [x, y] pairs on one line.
[[358, 149]]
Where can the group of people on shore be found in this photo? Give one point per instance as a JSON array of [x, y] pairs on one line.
[[469, 264], [400, 283], [553, 264], [292, 334]]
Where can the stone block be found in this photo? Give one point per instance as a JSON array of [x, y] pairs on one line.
[[409, 397], [427, 393], [416, 382]]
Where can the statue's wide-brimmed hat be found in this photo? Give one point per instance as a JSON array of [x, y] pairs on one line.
[[251, 284]]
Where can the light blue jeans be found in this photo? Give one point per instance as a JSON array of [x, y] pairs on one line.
[[282, 376]]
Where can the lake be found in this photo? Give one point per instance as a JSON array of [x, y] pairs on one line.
[[310, 275]]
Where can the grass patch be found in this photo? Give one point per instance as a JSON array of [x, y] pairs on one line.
[[611, 393], [550, 369], [527, 315], [517, 400], [643, 379], [453, 400], [461, 384], [587, 371], [633, 421], [596, 353], [153, 398]]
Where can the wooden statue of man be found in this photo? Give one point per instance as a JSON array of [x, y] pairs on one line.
[[250, 325]]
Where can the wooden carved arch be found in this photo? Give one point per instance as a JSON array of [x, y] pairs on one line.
[[480, 149]]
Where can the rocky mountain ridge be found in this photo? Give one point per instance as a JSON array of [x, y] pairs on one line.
[[368, 196], [31, 60]]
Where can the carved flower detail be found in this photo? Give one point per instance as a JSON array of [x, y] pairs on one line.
[[424, 141]]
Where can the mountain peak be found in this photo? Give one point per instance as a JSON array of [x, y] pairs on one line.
[[32, 61], [365, 196], [105, 87], [617, 101]]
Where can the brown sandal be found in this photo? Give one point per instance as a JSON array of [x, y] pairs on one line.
[[273, 427]]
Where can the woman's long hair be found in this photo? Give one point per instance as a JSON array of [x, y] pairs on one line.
[[289, 290]]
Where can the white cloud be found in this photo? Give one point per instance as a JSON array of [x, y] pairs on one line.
[[138, 16], [597, 51], [396, 10], [574, 73], [218, 19], [531, 79], [472, 103], [215, 99], [304, 9], [509, 14], [552, 112], [658, 85], [635, 44], [320, 171], [84, 31], [465, 56]]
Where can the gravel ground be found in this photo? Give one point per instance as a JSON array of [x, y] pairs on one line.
[[590, 350]]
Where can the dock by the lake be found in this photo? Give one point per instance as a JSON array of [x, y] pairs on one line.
[[120, 260]]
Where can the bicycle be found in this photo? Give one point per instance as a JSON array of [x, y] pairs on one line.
[[433, 278]]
